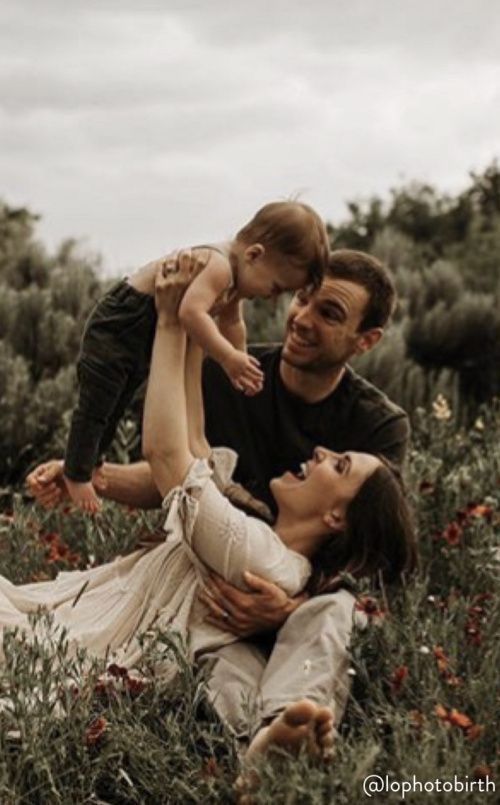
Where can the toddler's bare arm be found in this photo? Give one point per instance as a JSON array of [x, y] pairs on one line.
[[198, 300], [232, 324]]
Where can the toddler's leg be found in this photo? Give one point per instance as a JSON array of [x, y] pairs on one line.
[[99, 401]]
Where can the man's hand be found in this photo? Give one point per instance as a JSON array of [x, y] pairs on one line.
[[244, 614], [46, 483]]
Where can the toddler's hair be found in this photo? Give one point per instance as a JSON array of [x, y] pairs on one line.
[[294, 231]]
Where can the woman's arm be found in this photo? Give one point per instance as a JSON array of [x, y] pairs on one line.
[[165, 436]]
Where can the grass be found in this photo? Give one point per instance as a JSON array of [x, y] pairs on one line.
[[425, 697]]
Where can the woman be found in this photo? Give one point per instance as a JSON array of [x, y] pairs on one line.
[[352, 501]]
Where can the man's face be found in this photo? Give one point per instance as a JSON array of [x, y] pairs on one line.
[[322, 327]]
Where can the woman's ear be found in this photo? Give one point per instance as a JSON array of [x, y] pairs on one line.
[[335, 520]]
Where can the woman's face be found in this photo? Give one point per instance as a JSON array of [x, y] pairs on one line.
[[326, 483]]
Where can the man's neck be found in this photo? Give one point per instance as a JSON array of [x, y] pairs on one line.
[[311, 387]]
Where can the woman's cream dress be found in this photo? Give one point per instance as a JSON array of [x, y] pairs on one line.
[[105, 609]]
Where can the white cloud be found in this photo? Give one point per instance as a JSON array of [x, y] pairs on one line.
[[143, 126]]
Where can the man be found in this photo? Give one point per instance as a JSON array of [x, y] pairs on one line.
[[311, 397]]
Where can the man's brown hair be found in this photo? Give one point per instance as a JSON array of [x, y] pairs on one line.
[[293, 231], [367, 271]]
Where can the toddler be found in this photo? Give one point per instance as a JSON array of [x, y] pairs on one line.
[[283, 248]]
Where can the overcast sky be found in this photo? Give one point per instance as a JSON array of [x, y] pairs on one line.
[[141, 126]]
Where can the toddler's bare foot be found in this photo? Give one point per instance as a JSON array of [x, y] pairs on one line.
[[302, 723], [83, 495]]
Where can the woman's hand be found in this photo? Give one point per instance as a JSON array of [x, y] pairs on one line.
[[175, 273], [170, 285]]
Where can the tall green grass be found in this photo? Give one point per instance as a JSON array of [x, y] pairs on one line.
[[425, 697]]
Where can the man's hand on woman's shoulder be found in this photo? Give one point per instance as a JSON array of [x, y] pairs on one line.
[[264, 609]]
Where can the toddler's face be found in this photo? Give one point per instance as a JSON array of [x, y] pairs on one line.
[[268, 278]]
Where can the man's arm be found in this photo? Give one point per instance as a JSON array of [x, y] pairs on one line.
[[245, 614], [391, 439], [130, 484]]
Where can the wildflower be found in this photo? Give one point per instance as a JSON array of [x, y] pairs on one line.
[[370, 607], [58, 551], [452, 533], [95, 731], [105, 687], [454, 718], [135, 685], [117, 671], [210, 768], [441, 658], [481, 510], [417, 719], [398, 677], [473, 633], [441, 409], [459, 719], [426, 488], [482, 771], [424, 650], [441, 712], [479, 424], [474, 732]]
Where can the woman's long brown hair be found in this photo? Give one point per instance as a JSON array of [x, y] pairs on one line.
[[378, 540]]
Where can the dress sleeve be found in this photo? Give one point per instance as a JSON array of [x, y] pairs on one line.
[[225, 539]]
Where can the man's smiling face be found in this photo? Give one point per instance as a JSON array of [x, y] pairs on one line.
[[322, 329]]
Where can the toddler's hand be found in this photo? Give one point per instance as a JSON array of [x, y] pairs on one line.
[[244, 372]]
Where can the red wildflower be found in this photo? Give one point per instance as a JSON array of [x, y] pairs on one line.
[[473, 509], [105, 688], [370, 607], [426, 488], [58, 551], [135, 685], [473, 633], [95, 731], [398, 677], [454, 718], [452, 534], [482, 771], [441, 658], [210, 768], [480, 510], [441, 712], [474, 732], [117, 671], [480, 598]]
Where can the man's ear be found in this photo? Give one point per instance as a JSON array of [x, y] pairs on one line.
[[254, 252], [335, 520], [368, 339]]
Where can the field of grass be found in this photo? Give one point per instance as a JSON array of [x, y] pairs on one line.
[[425, 698]]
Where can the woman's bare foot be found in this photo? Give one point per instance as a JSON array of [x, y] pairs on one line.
[[302, 724], [83, 495]]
